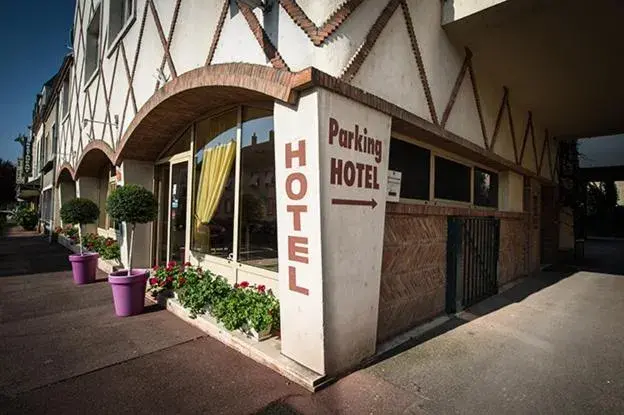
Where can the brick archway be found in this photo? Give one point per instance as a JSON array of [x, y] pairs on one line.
[[65, 173], [194, 93], [95, 156]]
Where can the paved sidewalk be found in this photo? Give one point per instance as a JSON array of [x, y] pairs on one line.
[[552, 344], [64, 352]]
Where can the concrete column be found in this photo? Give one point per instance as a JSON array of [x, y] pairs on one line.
[[331, 174], [141, 173], [511, 191], [88, 188]]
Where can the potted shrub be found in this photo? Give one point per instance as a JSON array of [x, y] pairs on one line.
[[80, 211], [131, 204]]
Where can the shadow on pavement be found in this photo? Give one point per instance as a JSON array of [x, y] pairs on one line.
[[32, 255]]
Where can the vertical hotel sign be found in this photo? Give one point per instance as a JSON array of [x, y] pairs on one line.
[[299, 231]]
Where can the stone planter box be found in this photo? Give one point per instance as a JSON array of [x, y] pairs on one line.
[[107, 266]]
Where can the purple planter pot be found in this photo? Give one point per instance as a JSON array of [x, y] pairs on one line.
[[84, 267], [128, 291]]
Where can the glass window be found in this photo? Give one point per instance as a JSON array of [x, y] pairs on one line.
[[92, 55], [452, 180], [213, 213], [257, 244], [485, 188], [120, 13], [413, 162]]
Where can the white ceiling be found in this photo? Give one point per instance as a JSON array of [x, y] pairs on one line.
[[562, 59]]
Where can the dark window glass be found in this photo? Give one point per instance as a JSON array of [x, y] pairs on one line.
[[485, 188], [452, 180], [413, 162], [257, 222]]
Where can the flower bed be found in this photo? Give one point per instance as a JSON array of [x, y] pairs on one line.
[[108, 248], [250, 308]]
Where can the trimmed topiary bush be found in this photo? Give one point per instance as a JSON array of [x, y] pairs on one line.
[[80, 211], [132, 204]]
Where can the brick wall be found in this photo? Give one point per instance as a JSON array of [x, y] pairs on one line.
[[413, 273]]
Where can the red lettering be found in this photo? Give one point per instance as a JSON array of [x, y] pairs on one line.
[[335, 176], [299, 153], [333, 130], [292, 282], [303, 186], [349, 173], [369, 176], [298, 249], [297, 210], [360, 167], [375, 181]]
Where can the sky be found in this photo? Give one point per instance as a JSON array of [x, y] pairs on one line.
[[35, 35], [602, 151]]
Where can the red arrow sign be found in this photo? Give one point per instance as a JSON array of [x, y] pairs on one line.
[[351, 202]]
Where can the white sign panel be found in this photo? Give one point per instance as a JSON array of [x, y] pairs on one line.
[[354, 163], [394, 186], [299, 232]]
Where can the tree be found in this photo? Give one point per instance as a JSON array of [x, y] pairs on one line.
[[132, 204], [7, 182], [80, 211]]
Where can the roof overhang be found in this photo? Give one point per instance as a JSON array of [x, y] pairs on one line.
[[561, 59]]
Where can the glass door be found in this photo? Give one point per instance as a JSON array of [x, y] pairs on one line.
[[162, 225], [177, 211]]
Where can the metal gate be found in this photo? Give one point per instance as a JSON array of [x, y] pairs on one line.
[[472, 261]]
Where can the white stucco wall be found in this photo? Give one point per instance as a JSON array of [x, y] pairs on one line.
[[389, 71]]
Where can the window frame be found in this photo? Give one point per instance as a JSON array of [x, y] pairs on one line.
[[436, 152], [89, 78], [232, 263], [113, 43]]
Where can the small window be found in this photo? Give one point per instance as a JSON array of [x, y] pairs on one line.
[[65, 96], [413, 162], [92, 55], [54, 140], [452, 180], [485, 188], [121, 14]]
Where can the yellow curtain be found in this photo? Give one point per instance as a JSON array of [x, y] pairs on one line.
[[216, 165]]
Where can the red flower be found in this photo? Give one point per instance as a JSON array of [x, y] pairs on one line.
[[168, 269], [244, 284], [236, 285], [261, 288], [169, 279], [171, 264], [153, 281], [187, 264]]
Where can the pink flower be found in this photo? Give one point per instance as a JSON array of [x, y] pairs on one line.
[[244, 284], [153, 281], [171, 264], [261, 288]]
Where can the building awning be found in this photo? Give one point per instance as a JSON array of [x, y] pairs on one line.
[[560, 59]]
